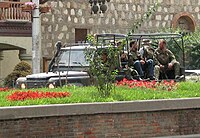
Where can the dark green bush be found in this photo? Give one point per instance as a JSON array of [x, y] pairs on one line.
[[192, 44], [22, 66], [20, 70]]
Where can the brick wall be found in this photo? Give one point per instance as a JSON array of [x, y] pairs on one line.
[[103, 120]]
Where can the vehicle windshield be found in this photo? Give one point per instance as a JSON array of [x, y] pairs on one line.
[[73, 58]]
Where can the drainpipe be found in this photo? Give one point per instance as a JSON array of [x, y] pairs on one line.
[[36, 41], [1, 66]]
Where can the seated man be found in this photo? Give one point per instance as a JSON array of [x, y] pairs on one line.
[[135, 60], [108, 62], [147, 52], [124, 59], [166, 62], [139, 63], [129, 72]]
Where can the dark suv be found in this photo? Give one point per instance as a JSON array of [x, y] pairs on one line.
[[68, 66]]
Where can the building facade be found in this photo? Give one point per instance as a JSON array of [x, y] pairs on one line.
[[69, 21]]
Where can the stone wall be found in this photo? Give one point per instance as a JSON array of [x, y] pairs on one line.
[[66, 15], [150, 118]]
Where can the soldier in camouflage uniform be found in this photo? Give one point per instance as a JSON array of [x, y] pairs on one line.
[[165, 61], [135, 59], [147, 52]]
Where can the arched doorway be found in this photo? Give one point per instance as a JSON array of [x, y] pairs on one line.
[[184, 21], [10, 55]]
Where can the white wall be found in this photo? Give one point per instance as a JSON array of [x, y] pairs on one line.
[[10, 59]]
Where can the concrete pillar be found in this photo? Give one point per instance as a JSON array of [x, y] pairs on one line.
[[25, 57], [36, 39]]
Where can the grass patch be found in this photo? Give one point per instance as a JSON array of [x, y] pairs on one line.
[[90, 94]]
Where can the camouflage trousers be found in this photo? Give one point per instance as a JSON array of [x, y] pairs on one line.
[[158, 70], [131, 73]]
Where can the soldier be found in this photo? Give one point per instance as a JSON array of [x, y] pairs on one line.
[[124, 65], [108, 64], [165, 61], [124, 59], [104, 56], [147, 52], [135, 59]]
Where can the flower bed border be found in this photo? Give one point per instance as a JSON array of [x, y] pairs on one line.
[[16, 112], [152, 118]]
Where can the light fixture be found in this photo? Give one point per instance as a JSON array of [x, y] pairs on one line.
[[98, 6], [51, 86], [23, 86]]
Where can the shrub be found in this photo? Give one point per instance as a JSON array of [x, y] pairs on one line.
[[193, 49], [20, 70], [22, 66], [103, 71]]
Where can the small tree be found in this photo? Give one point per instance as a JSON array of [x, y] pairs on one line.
[[104, 72]]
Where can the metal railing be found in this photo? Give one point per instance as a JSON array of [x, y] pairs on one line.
[[12, 11]]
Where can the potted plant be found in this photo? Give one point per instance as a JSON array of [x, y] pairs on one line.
[[28, 6]]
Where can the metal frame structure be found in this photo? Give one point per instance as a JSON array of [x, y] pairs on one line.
[[113, 38], [157, 36], [110, 37]]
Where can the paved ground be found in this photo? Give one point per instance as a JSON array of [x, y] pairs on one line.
[[182, 136], [192, 75]]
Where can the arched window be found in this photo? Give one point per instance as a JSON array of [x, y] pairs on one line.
[[184, 21]]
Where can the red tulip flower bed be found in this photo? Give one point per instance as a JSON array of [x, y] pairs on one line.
[[4, 89], [164, 85], [21, 96]]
